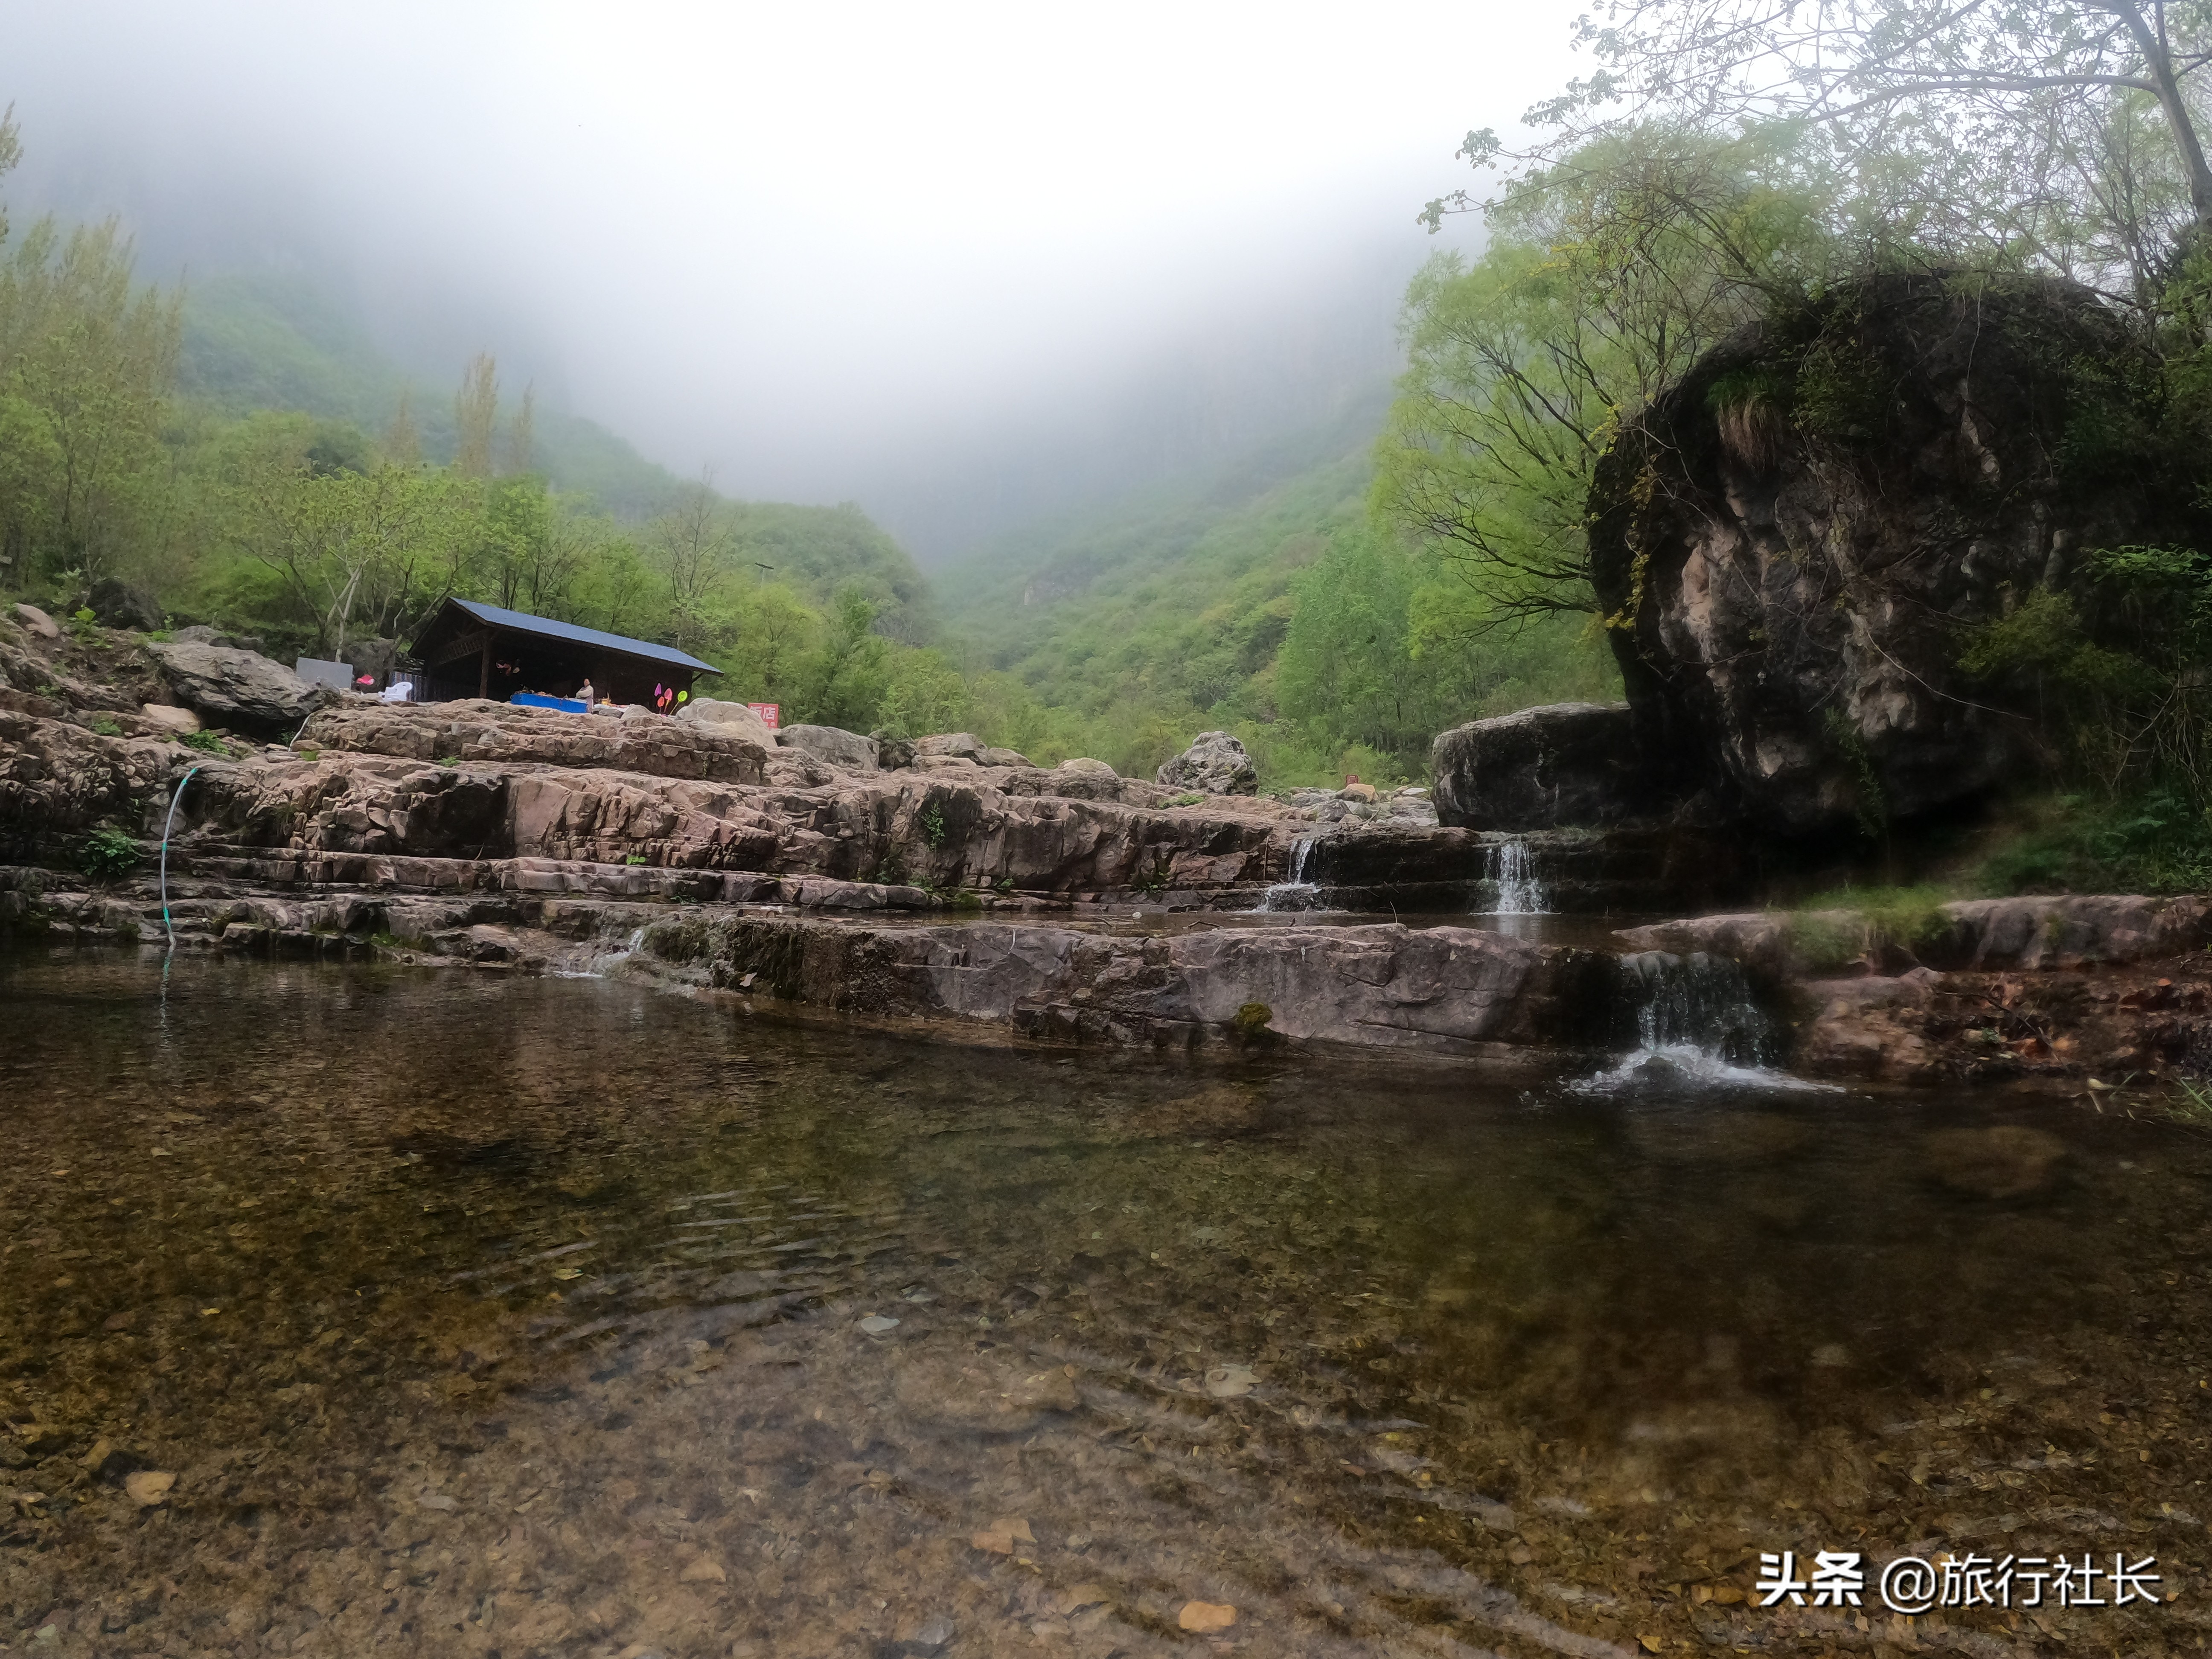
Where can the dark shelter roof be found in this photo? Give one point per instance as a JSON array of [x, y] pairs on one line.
[[493, 616]]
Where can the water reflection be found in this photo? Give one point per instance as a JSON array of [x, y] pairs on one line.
[[475, 1314]]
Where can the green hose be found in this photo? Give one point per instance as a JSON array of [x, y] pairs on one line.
[[169, 823]]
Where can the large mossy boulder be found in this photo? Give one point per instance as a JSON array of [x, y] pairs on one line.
[[1796, 544]]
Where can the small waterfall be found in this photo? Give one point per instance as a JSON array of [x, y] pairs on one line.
[[592, 960], [1695, 1022], [1298, 893], [1703, 1004], [1513, 869]]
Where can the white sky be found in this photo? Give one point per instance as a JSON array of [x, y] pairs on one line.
[[790, 239]]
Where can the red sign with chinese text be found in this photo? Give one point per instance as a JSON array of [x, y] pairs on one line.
[[768, 712]]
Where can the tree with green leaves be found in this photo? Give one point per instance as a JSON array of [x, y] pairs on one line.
[[694, 546], [2063, 132], [360, 554], [87, 359], [851, 670], [1606, 277]]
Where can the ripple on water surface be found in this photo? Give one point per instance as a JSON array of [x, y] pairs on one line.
[[477, 1315]]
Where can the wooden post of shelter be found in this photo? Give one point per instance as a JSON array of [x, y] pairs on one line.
[[484, 670]]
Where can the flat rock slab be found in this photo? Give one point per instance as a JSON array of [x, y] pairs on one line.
[[1441, 990], [478, 730], [2026, 934]]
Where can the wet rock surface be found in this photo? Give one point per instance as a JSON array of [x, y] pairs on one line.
[[1439, 990], [2031, 933], [2067, 988], [539, 1337], [1443, 990]]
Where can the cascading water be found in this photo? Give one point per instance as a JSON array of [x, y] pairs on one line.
[[1298, 893], [1697, 1021], [593, 960], [1513, 872], [1704, 1004]]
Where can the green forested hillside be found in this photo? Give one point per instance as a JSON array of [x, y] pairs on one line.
[[1262, 600], [276, 340], [252, 458], [243, 454]]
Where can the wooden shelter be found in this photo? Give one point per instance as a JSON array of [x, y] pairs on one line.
[[474, 650]]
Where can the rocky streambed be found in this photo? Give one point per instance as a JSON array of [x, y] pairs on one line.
[[352, 1307], [943, 886]]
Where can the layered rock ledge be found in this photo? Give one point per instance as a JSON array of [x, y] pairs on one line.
[[1443, 990]]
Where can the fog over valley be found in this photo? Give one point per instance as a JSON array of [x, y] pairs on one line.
[[963, 269]]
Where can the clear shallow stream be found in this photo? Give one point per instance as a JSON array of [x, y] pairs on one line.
[[477, 1315]]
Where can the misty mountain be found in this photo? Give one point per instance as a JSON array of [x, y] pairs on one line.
[[278, 339], [1233, 396], [1180, 592]]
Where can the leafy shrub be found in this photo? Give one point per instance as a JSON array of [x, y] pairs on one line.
[[2154, 840], [104, 725], [2121, 671], [207, 743], [108, 854]]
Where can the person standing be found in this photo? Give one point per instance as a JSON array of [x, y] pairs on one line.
[[586, 692]]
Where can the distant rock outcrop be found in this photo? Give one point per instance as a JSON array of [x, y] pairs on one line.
[[1792, 543], [1216, 764]]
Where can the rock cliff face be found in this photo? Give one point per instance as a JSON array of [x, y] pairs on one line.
[[1793, 542], [57, 778]]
